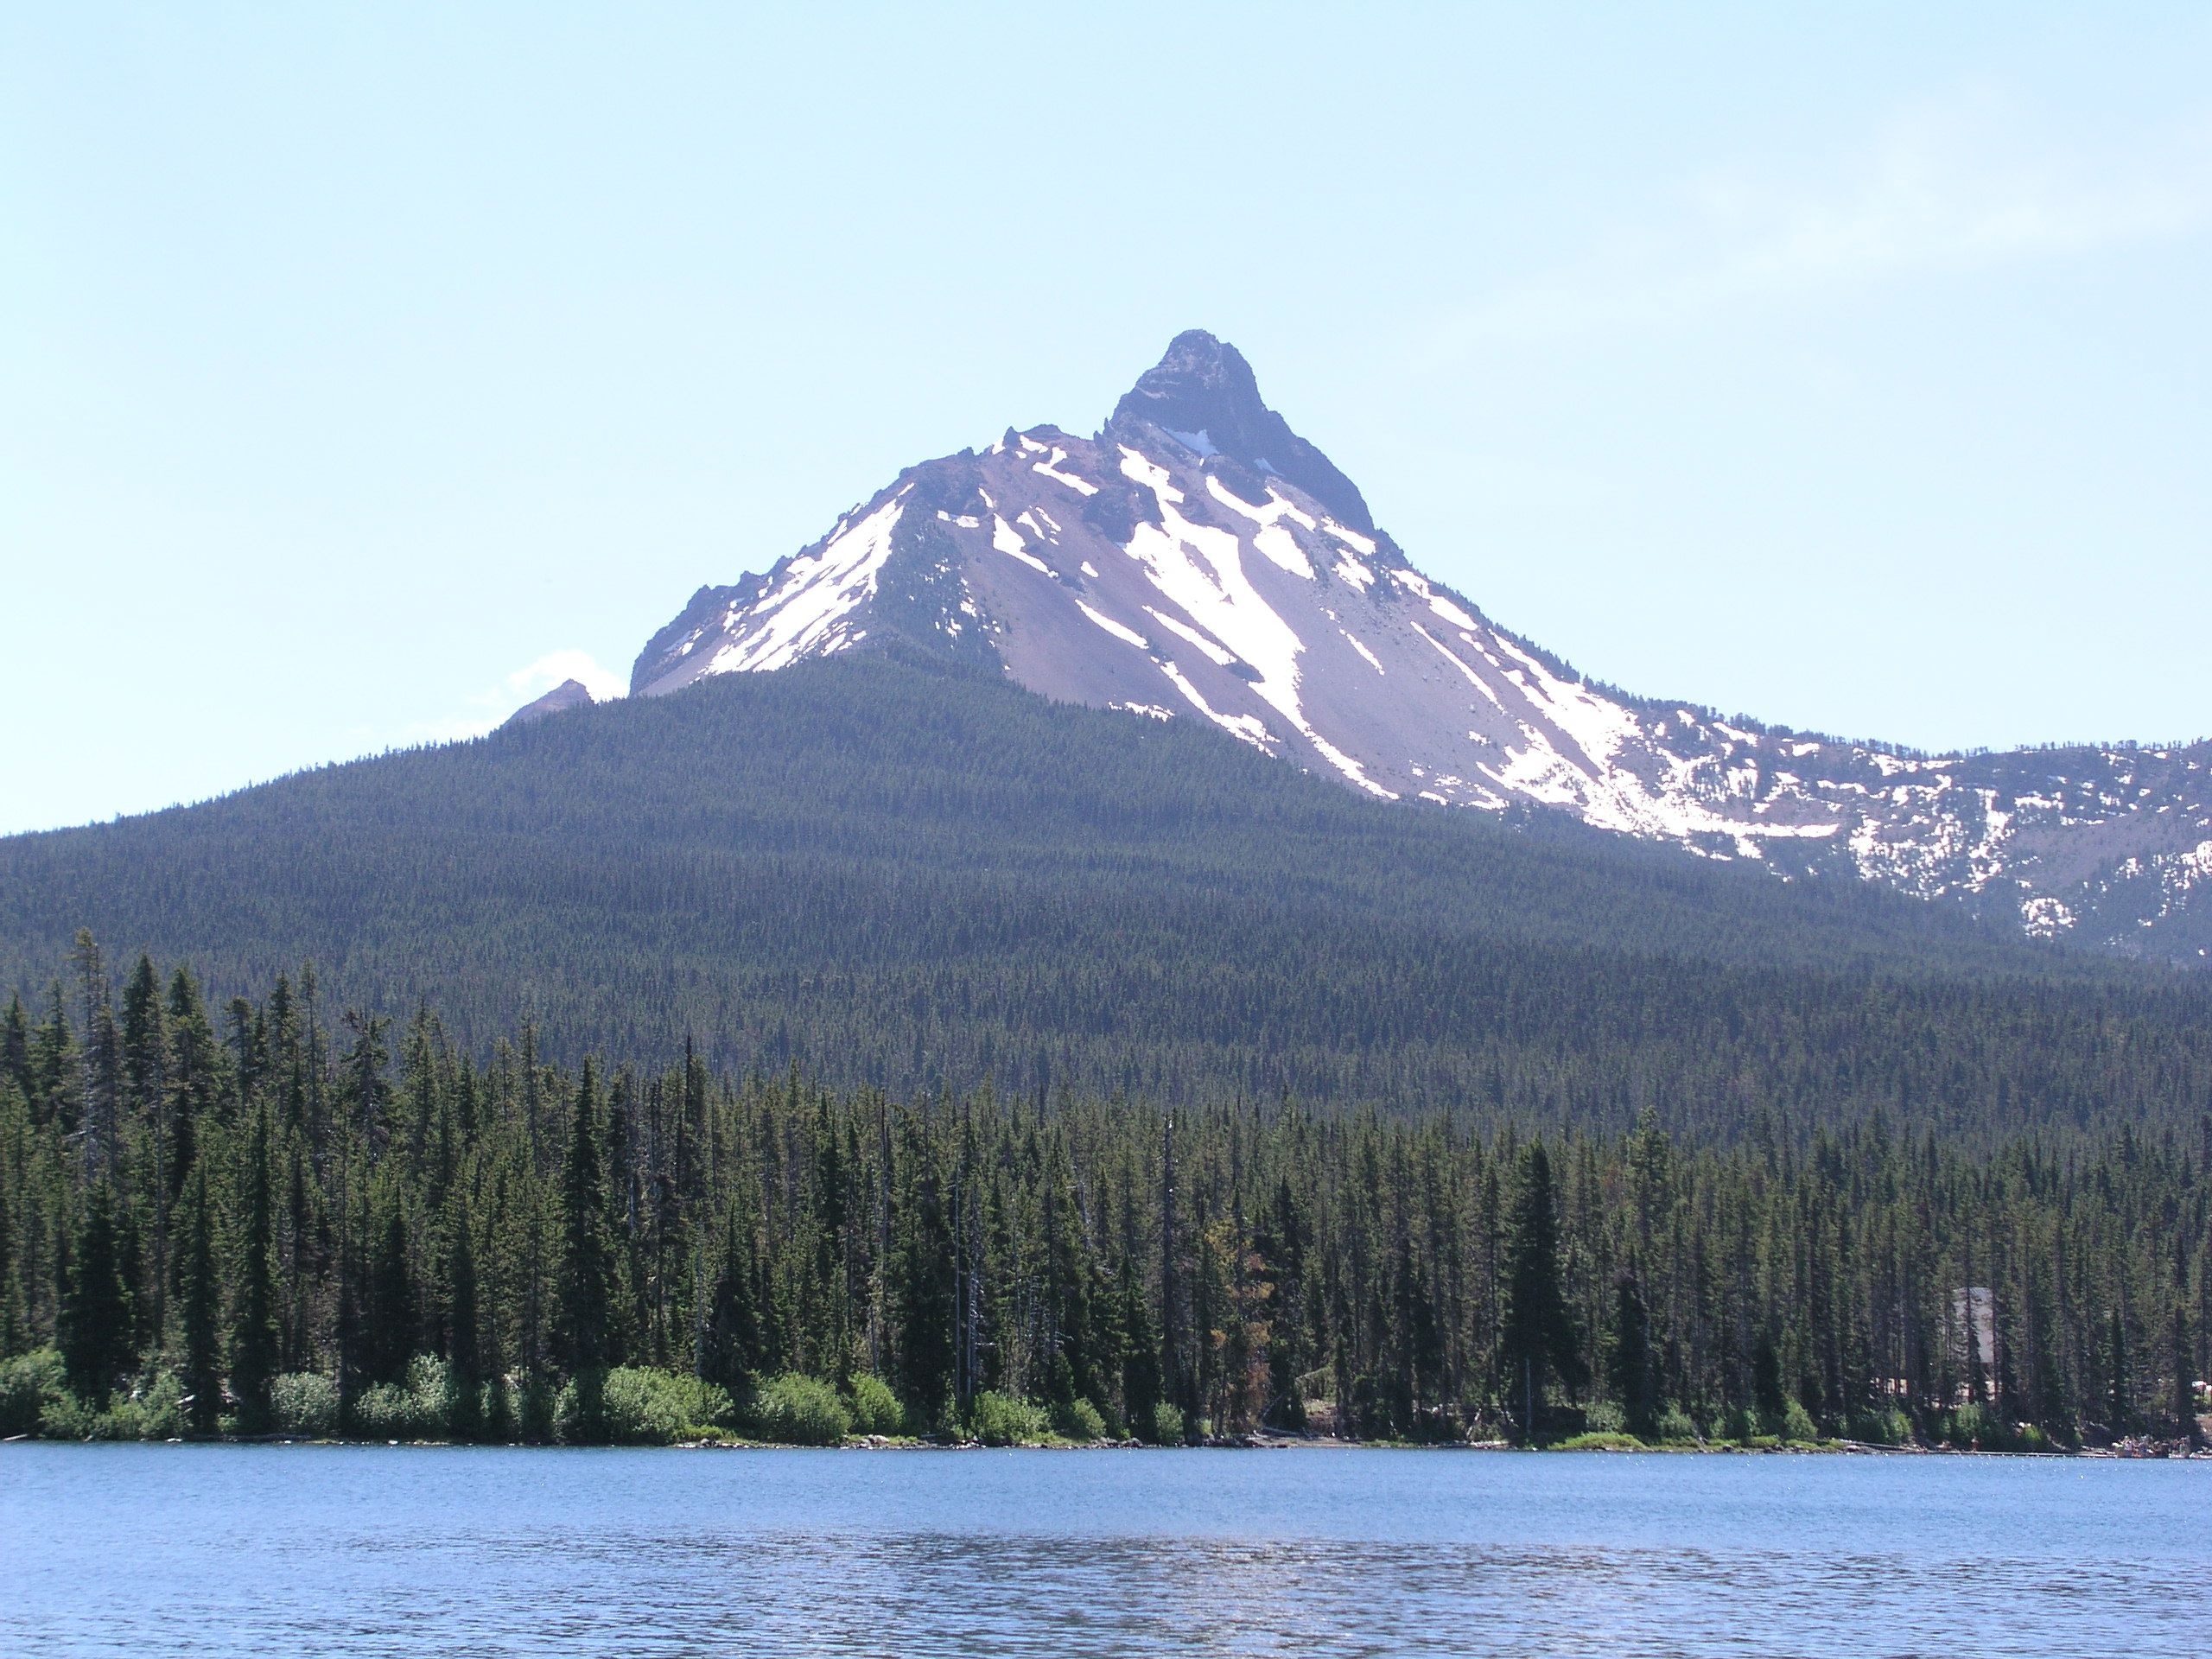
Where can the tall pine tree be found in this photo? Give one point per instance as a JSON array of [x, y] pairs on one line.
[[585, 1285], [464, 1354], [96, 1348], [199, 1307], [253, 1321], [1538, 1342]]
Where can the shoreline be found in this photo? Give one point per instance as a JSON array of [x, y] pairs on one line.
[[2147, 1452]]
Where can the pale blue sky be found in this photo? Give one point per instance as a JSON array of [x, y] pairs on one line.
[[1854, 372]]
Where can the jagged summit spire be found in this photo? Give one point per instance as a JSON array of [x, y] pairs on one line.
[[1204, 393], [1200, 369]]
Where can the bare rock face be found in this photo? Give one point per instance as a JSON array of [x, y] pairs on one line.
[[1204, 395], [569, 694], [1198, 560]]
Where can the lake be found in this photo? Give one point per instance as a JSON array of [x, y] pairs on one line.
[[350, 1550]]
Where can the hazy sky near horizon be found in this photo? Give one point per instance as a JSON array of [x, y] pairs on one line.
[[365, 370]]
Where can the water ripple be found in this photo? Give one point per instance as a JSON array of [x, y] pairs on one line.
[[333, 1552]]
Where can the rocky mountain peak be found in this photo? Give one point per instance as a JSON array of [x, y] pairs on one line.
[[569, 694], [1200, 378], [1204, 394]]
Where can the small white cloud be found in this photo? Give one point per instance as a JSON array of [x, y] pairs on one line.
[[536, 678], [1955, 188]]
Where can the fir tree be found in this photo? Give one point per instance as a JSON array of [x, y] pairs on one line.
[[99, 1087], [1766, 1384], [585, 1285], [1141, 1390], [145, 1051], [391, 1309], [1629, 1369], [2119, 1382], [53, 1067], [254, 1338], [922, 1294], [16, 1046], [11, 1307], [199, 1307], [96, 1312], [1537, 1341], [2183, 1358], [195, 1068], [731, 1349], [463, 1353], [1280, 1247]]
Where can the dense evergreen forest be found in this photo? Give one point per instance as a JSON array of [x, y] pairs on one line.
[[271, 1216], [907, 876]]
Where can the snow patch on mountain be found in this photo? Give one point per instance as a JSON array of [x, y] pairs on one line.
[[1127, 636], [806, 612]]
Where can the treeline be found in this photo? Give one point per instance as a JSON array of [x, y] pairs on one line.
[[260, 1217]]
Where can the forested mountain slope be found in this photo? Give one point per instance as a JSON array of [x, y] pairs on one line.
[[903, 872]]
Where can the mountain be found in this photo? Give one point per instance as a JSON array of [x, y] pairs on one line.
[[1172, 876], [896, 869], [569, 694], [1196, 560]]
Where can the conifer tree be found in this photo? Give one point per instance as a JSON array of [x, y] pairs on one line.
[[463, 1353], [2120, 1385], [1140, 1389], [195, 1069], [53, 1067], [1629, 1369], [1071, 1372], [392, 1309], [922, 1283], [96, 1313], [2183, 1358], [586, 1280], [101, 1059], [253, 1322], [1766, 1382], [1280, 1247], [1538, 1341], [145, 1056], [199, 1307], [16, 1045], [11, 1308], [731, 1351]]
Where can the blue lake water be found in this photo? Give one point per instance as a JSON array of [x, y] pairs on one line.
[[219, 1550]]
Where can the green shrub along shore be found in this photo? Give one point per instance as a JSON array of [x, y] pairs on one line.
[[640, 1406], [263, 1222], [628, 1405]]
